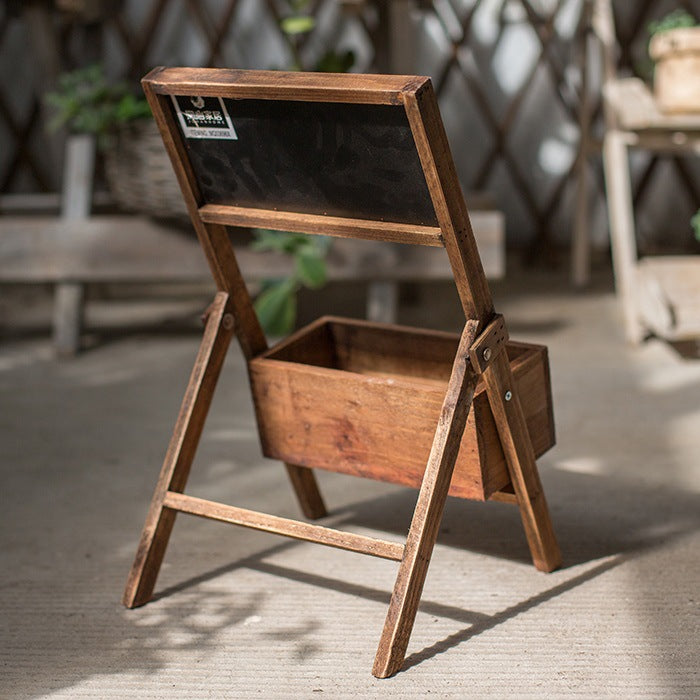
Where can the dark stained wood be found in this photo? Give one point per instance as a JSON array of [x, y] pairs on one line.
[[507, 409], [351, 88], [361, 398], [224, 268], [324, 398], [492, 341], [428, 512], [181, 450], [324, 225], [213, 238], [448, 200], [284, 526], [306, 488]]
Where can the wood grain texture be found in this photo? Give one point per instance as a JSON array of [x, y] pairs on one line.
[[222, 261], [364, 399], [324, 225], [180, 453], [487, 346], [213, 238], [428, 512], [306, 489], [284, 526], [505, 401], [448, 200], [281, 85]]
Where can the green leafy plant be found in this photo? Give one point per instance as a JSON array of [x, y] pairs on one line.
[[673, 20], [85, 101], [276, 305], [695, 224]]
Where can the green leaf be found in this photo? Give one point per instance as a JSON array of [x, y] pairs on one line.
[[311, 268], [673, 20], [292, 26], [280, 241], [695, 223], [276, 307]]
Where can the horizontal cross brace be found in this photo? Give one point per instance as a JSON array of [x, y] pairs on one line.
[[341, 227], [283, 526]]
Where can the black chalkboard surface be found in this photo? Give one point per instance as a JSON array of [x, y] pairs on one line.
[[350, 160]]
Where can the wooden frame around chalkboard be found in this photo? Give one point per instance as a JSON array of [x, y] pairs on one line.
[[511, 379]]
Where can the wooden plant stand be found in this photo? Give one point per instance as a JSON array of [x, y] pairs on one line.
[[361, 156]]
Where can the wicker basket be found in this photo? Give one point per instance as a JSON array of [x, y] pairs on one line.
[[139, 173]]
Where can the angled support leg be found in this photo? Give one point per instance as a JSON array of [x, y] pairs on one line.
[[305, 487], [428, 513], [222, 260], [181, 450], [520, 457]]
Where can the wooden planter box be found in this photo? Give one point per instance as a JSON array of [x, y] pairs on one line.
[[364, 399]]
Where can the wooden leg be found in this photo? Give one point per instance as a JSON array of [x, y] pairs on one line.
[[428, 513], [68, 308], [622, 233], [181, 451], [515, 439], [307, 491]]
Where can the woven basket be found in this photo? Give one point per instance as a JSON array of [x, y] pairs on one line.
[[139, 173]]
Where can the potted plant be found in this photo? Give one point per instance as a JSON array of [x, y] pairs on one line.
[[675, 49], [138, 171]]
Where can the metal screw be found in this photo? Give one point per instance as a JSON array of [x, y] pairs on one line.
[[487, 354], [508, 396], [227, 322]]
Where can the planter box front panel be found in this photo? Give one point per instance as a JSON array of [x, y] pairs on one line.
[[364, 399]]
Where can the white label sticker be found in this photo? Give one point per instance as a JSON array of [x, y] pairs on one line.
[[204, 118]]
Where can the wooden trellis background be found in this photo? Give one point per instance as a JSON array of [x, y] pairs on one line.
[[512, 118]]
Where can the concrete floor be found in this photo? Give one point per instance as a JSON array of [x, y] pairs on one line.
[[240, 614]]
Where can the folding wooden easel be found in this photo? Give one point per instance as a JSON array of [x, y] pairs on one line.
[[361, 156]]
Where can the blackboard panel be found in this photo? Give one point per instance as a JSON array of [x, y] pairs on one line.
[[349, 160]]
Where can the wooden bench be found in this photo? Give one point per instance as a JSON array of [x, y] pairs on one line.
[[71, 253]]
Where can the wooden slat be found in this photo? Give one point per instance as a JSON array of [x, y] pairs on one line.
[[132, 248], [489, 343], [448, 200], [180, 453], [319, 224], [281, 85], [635, 108], [428, 513], [517, 447], [213, 238], [284, 526], [504, 497]]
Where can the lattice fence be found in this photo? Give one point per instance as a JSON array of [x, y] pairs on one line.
[[507, 73]]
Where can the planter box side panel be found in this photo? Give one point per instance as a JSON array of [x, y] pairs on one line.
[[365, 426], [531, 372], [382, 427]]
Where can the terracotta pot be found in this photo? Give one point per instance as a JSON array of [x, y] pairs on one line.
[[677, 73]]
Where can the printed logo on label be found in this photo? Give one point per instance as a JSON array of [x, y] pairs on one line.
[[203, 118]]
